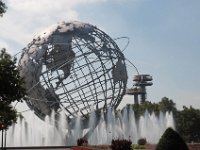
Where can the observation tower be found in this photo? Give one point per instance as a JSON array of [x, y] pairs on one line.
[[139, 87]]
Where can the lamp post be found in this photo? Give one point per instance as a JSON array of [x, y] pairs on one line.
[[2, 140], [5, 139], [2, 127]]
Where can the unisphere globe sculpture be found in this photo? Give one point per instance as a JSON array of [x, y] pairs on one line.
[[73, 66]]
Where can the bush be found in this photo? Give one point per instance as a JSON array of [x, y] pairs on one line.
[[121, 144], [171, 140], [82, 142], [142, 141]]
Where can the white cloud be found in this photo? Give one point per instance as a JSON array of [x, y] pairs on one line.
[[3, 44], [127, 99], [25, 18], [46, 5]]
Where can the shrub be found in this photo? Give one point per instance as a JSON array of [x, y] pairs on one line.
[[82, 142], [142, 141], [119, 144], [171, 140]]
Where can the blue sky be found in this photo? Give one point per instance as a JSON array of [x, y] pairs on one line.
[[164, 37]]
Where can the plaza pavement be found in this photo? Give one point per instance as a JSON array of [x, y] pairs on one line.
[[40, 148]]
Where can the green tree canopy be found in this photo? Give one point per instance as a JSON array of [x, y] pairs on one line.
[[7, 116], [2, 8], [188, 124], [164, 105], [167, 104], [11, 89], [140, 109]]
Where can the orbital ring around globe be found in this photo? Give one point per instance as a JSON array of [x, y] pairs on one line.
[[75, 67]]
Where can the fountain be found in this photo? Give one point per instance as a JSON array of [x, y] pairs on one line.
[[121, 124], [75, 77]]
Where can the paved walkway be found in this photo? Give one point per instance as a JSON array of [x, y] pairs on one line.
[[40, 148], [37, 149]]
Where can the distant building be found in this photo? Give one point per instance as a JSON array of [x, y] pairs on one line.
[[139, 87]]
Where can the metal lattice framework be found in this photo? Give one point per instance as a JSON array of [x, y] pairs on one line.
[[73, 66]]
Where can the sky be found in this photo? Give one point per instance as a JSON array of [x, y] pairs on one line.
[[164, 37]]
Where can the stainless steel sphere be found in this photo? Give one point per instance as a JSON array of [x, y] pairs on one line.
[[73, 66]]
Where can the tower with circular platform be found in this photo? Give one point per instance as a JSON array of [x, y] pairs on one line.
[[141, 81]]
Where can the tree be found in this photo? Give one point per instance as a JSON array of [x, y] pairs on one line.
[[164, 105], [167, 104], [171, 140], [8, 116], [188, 124], [11, 88], [2, 8]]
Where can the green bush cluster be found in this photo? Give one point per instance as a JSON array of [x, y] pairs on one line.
[[82, 142], [142, 141], [119, 144], [171, 140]]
